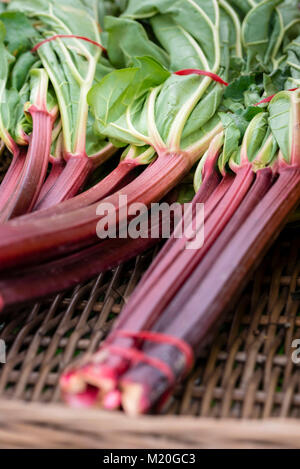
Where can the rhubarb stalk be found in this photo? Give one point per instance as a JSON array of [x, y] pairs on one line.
[[116, 179], [211, 289], [35, 165], [37, 282]]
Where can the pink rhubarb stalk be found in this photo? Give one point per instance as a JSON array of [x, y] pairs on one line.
[[171, 273], [117, 179], [72, 179], [39, 240], [205, 298], [35, 166], [51, 278], [12, 176]]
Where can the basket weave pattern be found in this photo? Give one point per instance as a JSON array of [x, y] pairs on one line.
[[247, 372]]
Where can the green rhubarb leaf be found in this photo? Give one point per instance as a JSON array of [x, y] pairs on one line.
[[195, 34], [2, 31], [175, 114], [147, 8], [275, 40], [62, 16], [256, 32], [267, 153], [193, 139], [281, 118], [175, 93], [103, 68], [19, 74], [293, 62], [202, 113], [118, 101], [290, 19], [230, 35], [242, 7], [94, 141], [184, 51], [276, 81], [128, 39], [19, 32], [285, 27], [232, 139], [255, 135], [10, 104], [196, 17], [236, 90], [110, 7]]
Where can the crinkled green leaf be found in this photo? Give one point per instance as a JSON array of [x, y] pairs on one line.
[[19, 32], [196, 17], [238, 87], [258, 129], [22, 68], [94, 141], [276, 81], [242, 7], [232, 139], [183, 50], [111, 98], [256, 32], [293, 62]]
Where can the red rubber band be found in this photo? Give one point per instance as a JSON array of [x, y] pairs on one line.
[[195, 71], [135, 356], [159, 338], [267, 100], [67, 36]]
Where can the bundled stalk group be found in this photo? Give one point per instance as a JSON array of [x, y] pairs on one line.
[[172, 89]]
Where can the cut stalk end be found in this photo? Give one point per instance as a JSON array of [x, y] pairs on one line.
[[134, 399]]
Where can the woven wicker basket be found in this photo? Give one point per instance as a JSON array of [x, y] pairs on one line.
[[243, 393]]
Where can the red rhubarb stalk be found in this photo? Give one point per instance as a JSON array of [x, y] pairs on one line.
[[40, 239], [117, 179], [203, 304], [269, 98], [210, 182], [195, 71], [33, 283], [12, 176], [35, 166], [171, 273], [57, 167], [72, 180], [67, 36], [51, 278]]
